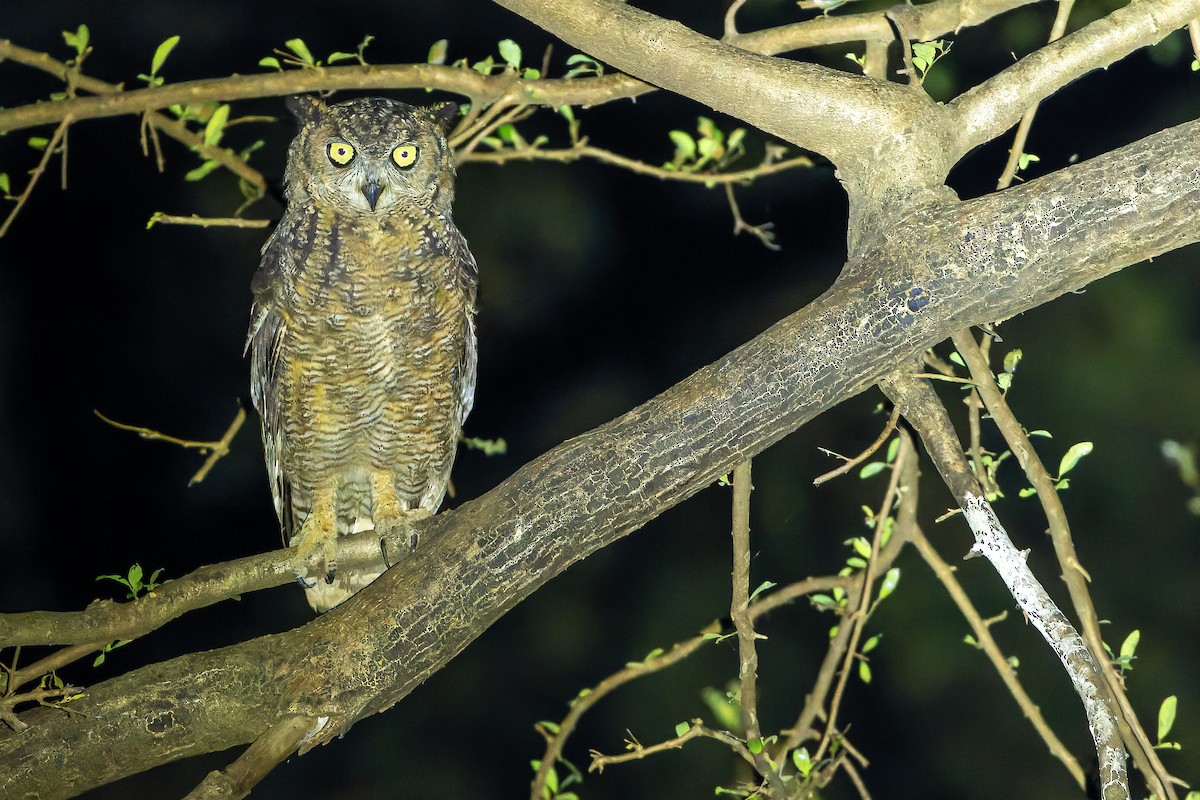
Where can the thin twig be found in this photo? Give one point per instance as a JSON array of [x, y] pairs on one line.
[[36, 173], [864, 455], [206, 222], [215, 449], [566, 155], [987, 643], [761, 232], [740, 615], [731, 30], [696, 730], [1022, 135], [858, 618], [586, 700]]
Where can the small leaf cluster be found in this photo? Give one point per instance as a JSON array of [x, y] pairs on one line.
[[710, 149], [134, 581], [299, 55], [510, 59], [926, 54]]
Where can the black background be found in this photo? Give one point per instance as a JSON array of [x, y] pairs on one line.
[[600, 289]]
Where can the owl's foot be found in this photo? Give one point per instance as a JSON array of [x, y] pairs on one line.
[[397, 537], [317, 556]]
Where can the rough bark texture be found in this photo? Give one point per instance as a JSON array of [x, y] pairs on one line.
[[932, 269]]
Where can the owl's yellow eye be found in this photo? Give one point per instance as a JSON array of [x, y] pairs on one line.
[[405, 155], [340, 153]]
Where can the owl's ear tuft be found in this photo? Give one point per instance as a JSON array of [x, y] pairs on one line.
[[444, 115], [305, 107]]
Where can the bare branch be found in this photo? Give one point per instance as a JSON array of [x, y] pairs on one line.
[[987, 110], [922, 22], [468, 82]]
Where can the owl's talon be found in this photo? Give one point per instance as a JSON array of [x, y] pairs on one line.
[[305, 582]]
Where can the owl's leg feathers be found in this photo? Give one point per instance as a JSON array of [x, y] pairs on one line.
[[317, 541]]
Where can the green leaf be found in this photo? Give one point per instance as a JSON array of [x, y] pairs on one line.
[[890, 580], [957, 359], [552, 782], [340, 56], [38, 142], [298, 47], [864, 672], [437, 52], [861, 546], [510, 51], [215, 126], [1024, 160], [762, 587], [552, 727], [871, 643], [871, 468], [78, 40], [1129, 646], [271, 62], [5, 187], [1166, 716], [583, 65], [135, 576], [857, 563], [160, 55], [803, 761], [755, 745], [531, 74], [1011, 359], [1073, 456], [1028, 491], [484, 67], [685, 146], [200, 172], [682, 728], [736, 138], [99, 659]]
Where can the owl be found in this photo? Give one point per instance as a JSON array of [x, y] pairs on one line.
[[362, 332]]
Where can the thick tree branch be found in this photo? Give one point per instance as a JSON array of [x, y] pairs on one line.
[[839, 115], [935, 270], [992, 107]]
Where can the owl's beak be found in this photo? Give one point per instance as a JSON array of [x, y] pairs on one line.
[[372, 189]]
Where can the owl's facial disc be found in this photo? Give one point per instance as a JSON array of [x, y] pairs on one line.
[[371, 189]]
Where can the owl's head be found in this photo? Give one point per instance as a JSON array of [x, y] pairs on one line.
[[371, 156]]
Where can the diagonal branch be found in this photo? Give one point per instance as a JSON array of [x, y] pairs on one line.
[[992, 107]]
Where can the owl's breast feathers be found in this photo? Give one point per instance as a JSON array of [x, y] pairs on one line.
[[364, 355]]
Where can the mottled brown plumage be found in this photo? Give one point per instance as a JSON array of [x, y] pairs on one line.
[[362, 333]]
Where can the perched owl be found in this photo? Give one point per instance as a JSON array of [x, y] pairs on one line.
[[362, 332]]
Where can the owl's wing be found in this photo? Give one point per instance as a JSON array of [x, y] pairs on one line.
[[262, 341], [468, 272]]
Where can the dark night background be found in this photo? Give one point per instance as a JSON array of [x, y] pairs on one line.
[[600, 289]]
